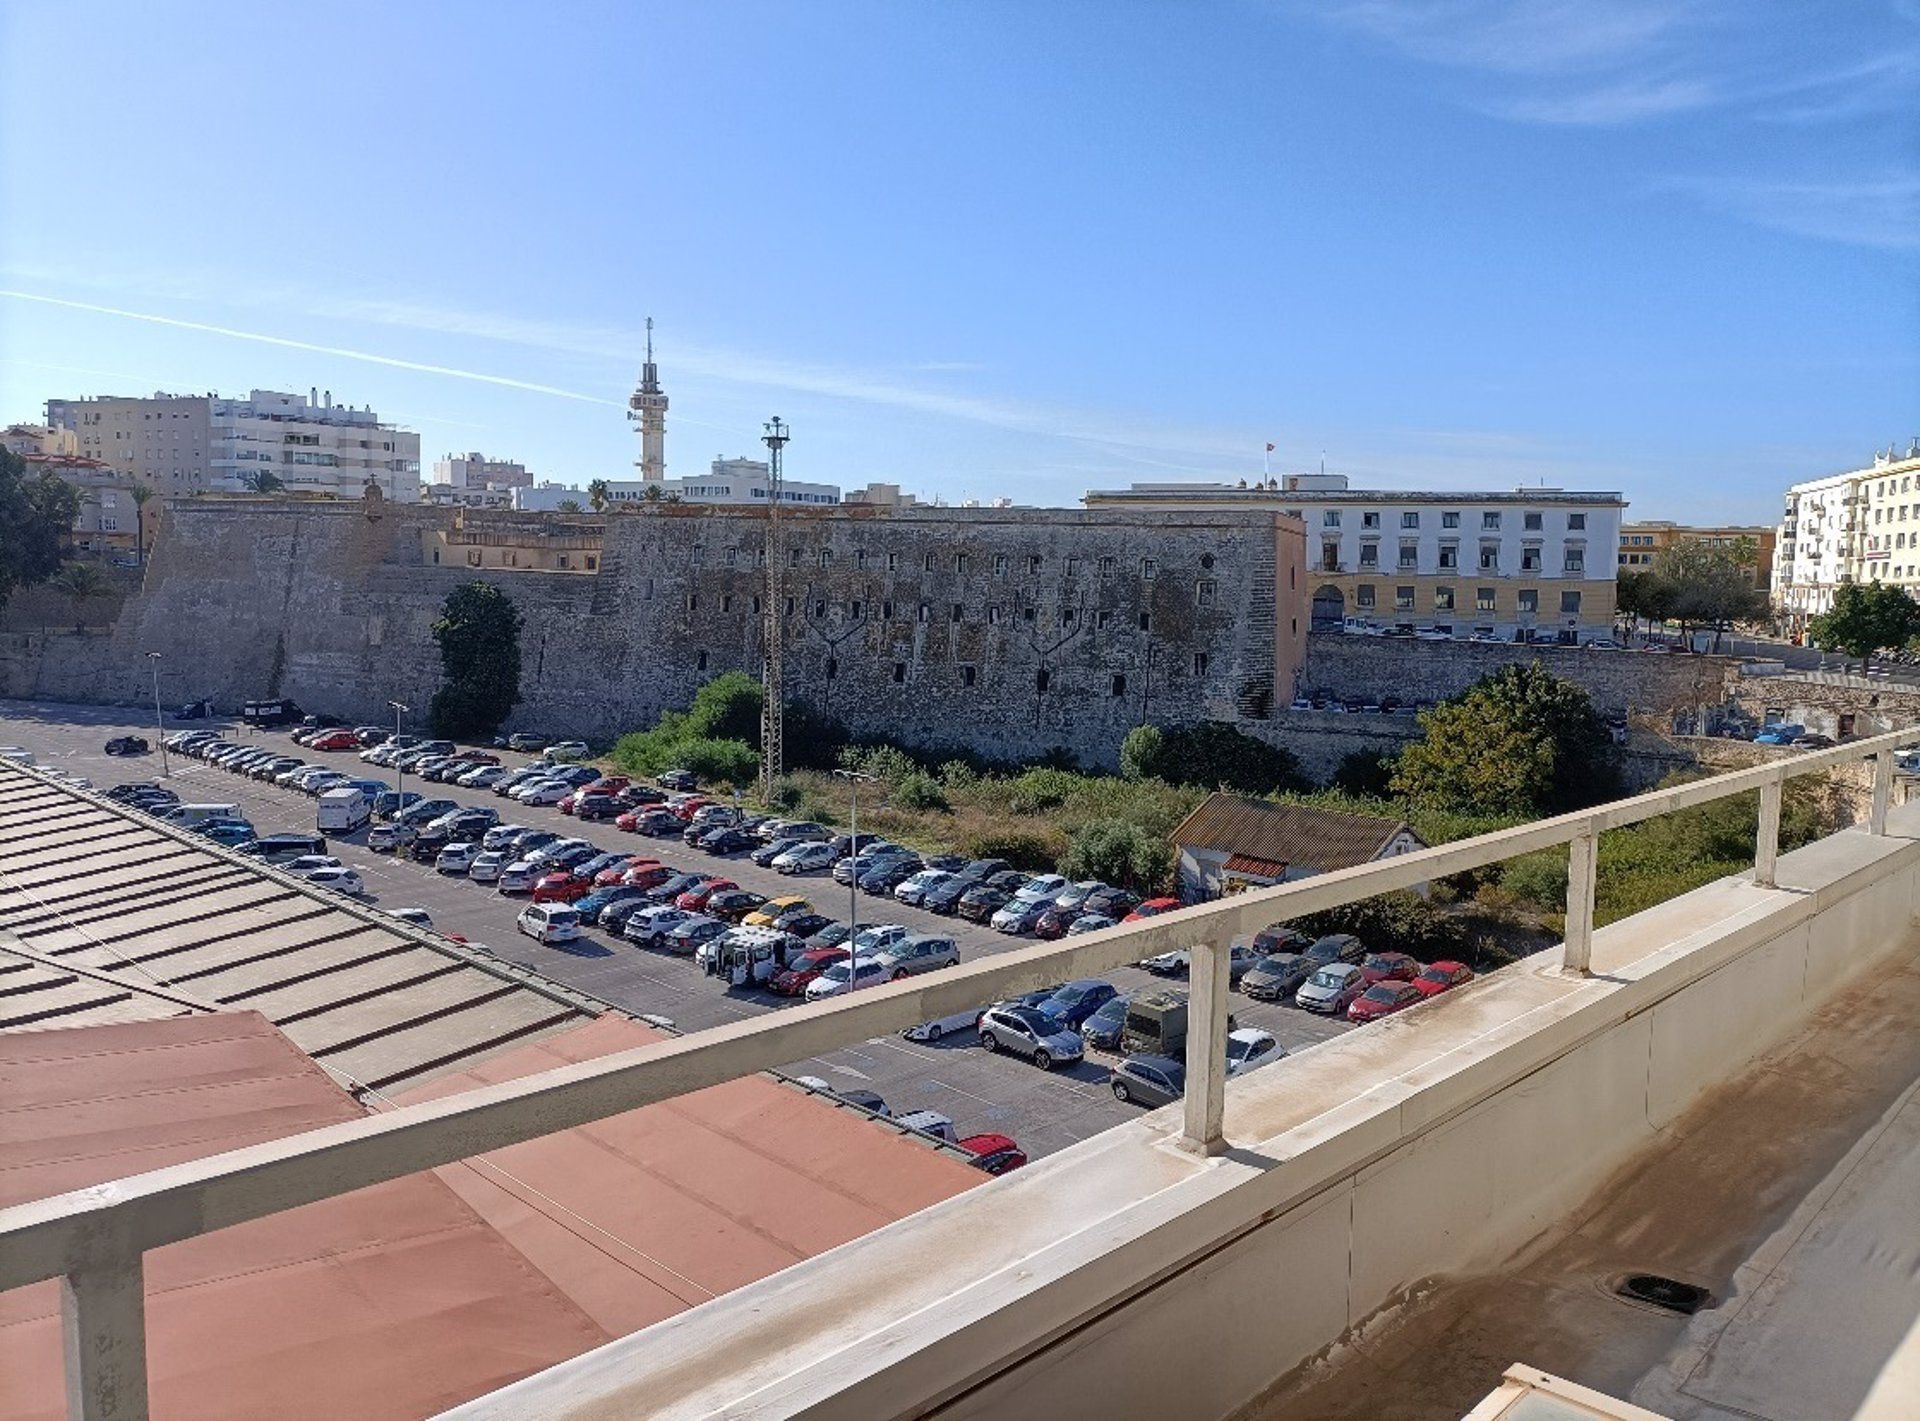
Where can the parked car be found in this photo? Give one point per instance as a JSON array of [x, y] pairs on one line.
[[549, 923], [1277, 976], [685, 939], [128, 745], [1784, 733], [1248, 1048], [526, 741], [775, 911], [807, 858], [733, 904], [1388, 967], [1331, 989], [800, 971], [678, 779], [1335, 947], [649, 926], [1384, 999], [1440, 977], [566, 750], [996, 1154], [274, 847], [1152, 908], [487, 866], [695, 898], [1078, 1000], [912, 889], [1090, 923], [457, 858], [541, 792], [1103, 1029], [519, 876], [593, 908], [924, 952], [878, 937], [832, 981], [1148, 1080], [340, 880], [1030, 1032], [414, 917]]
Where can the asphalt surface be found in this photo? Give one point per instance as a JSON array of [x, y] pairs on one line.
[[1043, 1111]]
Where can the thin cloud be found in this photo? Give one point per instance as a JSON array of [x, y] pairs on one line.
[[1513, 36], [1881, 212]]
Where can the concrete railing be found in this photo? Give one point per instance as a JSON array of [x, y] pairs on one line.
[[95, 1239]]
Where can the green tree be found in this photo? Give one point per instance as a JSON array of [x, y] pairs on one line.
[[1115, 851], [1707, 586], [1866, 618], [1211, 754], [599, 495], [261, 481], [567, 505], [82, 582], [728, 708], [142, 494], [1518, 741], [479, 636], [36, 521]]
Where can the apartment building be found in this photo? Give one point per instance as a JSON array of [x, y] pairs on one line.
[[1641, 543], [185, 444], [1859, 526], [477, 471], [1536, 563]]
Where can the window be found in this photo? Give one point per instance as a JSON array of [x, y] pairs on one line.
[[700, 662], [826, 558], [960, 564], [926, 611], [1369, 555], [820, 609], [1403, 599], [1033, 565], [1042, 679], [1449, 556], [1106, 567], [1490, 522], [1443, 599], [1529, 600], [793, 557], [1576, 560], [791, 603], [893, 562], [859, 559], [1483, 599], [1147, 567], [853, 610], [757, 605], [1363, 595], [999, 564], [993, 616], [1330, 554], [1067, 616], [1146, 621], [1576, 522], [833, 668], [1531, 521], [1118, 686], [926, 563], [959, 610], [1028, 613], [726, 602], [1570, 604], [1530, 559], [1203, 592], [899, 673], [1409, 555], [967, 675], [1199, 663], [1330, 518], [693, 601], [1489, 557], [1410, 519]]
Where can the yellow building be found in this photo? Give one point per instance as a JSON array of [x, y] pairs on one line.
[[1641, 543]]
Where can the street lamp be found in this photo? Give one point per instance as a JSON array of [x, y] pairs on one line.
[[400, 770], [159, 725], [853, 779]]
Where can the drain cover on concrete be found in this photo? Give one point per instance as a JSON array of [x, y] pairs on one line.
[[1668, 1293]]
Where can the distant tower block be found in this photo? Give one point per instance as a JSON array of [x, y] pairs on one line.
[[648, 406]]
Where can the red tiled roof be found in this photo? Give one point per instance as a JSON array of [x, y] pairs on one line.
[[1260, 868]]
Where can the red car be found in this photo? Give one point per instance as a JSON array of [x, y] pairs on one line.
[[335, 740], [792, 982], [610, 785], [1384, 999], [1388, 967], [996, 1154], [1152, 908], [686, 808], [474, 758], [694, 900], [1442, 977], [646, 875], [561, 887], [609, 877]]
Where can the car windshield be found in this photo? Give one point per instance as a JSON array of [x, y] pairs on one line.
[[1329, 978], [1436, 974], [1033, 1019], [1385, 992], [1113, 1010]]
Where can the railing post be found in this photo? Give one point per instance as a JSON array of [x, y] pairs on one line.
[[1766, 841], [103, 1324], [1205, 1105], [1882, 791], [1583, 863]]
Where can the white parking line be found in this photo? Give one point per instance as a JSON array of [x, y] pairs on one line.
[[944, 1085]]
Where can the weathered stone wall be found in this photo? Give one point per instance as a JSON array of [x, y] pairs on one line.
[[1366, 667], [1006, 631], [1821, 706], [1320, 740]]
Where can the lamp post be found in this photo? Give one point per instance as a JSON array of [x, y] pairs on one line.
[[853, 779], [400, 771], [159, 725]]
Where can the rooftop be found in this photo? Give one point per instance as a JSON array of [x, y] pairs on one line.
[[1287, 834]]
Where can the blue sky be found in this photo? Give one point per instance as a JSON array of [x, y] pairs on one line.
[[1664, 246]]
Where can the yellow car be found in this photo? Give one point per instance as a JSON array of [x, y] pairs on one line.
[[774, 909]]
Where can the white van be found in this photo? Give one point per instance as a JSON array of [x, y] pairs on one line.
[[188, 815], [343, 810]]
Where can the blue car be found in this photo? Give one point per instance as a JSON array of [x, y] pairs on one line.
[[1077, 1001], [589, 907], [1780, 734], [228, 832]]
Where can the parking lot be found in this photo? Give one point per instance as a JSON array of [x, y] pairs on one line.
[[1043, 1111]]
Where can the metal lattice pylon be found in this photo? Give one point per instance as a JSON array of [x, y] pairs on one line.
[[773, 753]]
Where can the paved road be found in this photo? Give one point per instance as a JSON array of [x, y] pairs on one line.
[[1044, 1112]]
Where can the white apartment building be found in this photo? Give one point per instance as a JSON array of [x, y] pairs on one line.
[[727, 481], [477, 471], [185, 444], [1860, 526], [1536, 563]]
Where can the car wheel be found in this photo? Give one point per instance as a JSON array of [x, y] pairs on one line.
[[987, 1040], [1121, 1094], [899, 975], [1043, 1058], [934, 1031]]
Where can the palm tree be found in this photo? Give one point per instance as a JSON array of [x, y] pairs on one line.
[[567, 505], [141, 492], [82, 582], [261, 481], [598, 495]]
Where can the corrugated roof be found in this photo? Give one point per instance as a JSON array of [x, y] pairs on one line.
[[106, 914], [646, 1214], [1297, 835], [395, 1301]]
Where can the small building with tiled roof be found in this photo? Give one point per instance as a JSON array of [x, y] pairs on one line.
[[1231, 843]]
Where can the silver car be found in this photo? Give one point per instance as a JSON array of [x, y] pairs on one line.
[[1030, 1032], [926, 953], [1332, 989]]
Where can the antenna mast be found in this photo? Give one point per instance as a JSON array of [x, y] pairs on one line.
[[773, 757]]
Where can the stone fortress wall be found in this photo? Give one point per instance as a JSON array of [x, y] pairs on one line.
[[1010, 632]]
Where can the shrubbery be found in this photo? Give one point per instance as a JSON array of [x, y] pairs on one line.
[[478, 631], [714, 737], [1211, 754], [1115, 851]]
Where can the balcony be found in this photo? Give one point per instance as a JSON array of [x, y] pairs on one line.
[[1185, 1263]]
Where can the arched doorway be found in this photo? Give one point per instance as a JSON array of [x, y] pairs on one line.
[[1329, 609]]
